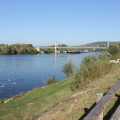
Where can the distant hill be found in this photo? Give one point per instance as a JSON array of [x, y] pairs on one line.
[[100, 44]]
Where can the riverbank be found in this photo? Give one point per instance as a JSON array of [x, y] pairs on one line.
[[57, 101], [35, 102]]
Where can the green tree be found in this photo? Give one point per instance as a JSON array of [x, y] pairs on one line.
[[5, 49], [17, 49]]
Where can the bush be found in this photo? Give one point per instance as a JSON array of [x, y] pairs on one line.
[[68, 68], [50, 81], [90, 69], [2, 100], [115, 57], [113, 49]]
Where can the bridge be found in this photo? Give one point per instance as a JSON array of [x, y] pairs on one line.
[[63, 47], [71, 47]]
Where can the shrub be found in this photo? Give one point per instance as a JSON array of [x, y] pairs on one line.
[[115, 57], [2, 100], [113, 49], [50, 81], [90, 69], [68, 68]]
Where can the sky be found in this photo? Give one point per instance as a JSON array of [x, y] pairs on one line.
[[71, 22]]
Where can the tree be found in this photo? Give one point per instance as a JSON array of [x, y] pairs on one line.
[[17, 49], [5, 49]]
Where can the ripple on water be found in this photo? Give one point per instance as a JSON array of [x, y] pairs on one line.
[[2, 86], [14, 83], [9, 80]]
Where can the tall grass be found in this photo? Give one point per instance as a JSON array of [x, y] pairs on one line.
[[91, 68]]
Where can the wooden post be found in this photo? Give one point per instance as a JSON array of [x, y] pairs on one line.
[[98, 97]]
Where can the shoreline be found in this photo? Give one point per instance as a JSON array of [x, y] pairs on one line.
[[41, 101], [5, 100]]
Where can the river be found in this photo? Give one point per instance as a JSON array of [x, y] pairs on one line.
[[21, 73]]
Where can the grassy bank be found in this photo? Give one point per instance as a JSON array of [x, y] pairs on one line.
[[80, 102], [35, 102], [57, 101]]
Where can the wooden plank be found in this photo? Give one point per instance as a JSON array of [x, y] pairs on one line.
[[98, 98], [116, 115], [98, 109]]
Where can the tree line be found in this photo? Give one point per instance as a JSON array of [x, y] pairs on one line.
[[17, 49]]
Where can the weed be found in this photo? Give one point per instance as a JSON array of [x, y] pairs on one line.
[[50, 81]]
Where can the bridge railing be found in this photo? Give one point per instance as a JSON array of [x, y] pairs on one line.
[[97, 112]]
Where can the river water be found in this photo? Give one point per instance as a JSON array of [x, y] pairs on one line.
[[21, 73]]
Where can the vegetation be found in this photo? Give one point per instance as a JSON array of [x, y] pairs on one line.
[[49, 50], [50, 81], [60, 45], [91, 68], [115, 57], [17, 49], [114, 49], [68, 68], [35, 102]]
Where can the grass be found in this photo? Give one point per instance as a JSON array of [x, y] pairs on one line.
[[115, 57], [57, 101], [35, 102]]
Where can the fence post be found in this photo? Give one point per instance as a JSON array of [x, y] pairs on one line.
[[98, 97]]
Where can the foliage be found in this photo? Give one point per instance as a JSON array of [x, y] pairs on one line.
[[49, 50], [2, 100], [91, 68], [115, 57], [17, 49], [68, 68], [62, 45], [50, 81], [114, 49]]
